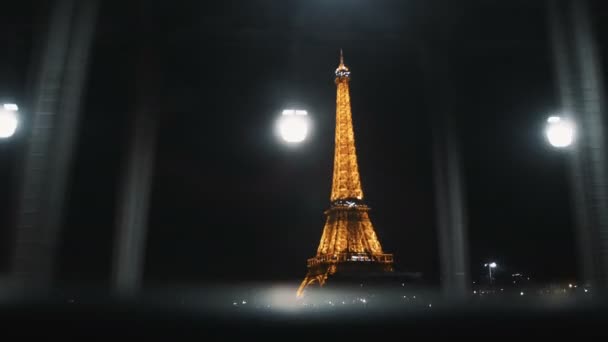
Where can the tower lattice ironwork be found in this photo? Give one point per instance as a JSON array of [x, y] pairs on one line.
[[349, 243]]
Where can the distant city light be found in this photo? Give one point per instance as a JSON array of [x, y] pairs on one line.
[[8, 120], [559, 132], [570, 285], [586, 290], [521, 293], [293, 125]]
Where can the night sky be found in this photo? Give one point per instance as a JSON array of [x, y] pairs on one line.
[[230, 202]]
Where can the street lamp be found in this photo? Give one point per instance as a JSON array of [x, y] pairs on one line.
[[8, 120], [293, 125], [490, 266], [559, 132]]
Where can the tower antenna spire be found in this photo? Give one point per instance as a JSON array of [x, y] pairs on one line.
[[342, 71]]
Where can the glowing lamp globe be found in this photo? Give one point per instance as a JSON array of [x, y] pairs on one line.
[[293, 125], [559, 132], [8, 120]]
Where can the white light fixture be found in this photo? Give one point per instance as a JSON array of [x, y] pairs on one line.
[[11, 106], [559, 132], [8, 120], [293, 125]]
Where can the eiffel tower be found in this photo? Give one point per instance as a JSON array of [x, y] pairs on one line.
[[349, 244]]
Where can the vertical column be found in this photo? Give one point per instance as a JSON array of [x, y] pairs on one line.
[[132, 213], [449, 183], [450, 205], [51, 132], [580, 85]]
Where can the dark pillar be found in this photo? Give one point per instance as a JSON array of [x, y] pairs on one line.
[[51, 129], [580, 86], [132, 213], [449, 182], [450, 205]]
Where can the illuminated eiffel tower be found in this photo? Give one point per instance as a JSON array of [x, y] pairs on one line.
[[349, 244]]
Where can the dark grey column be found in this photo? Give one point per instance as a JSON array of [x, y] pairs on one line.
[[132, 213], [450, 204], [51, 128], [580, 86], [449, 182]]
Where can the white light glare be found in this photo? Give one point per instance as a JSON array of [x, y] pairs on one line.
[[293, 125], [559, 132], [493, 265], [8, 122], [11, 106]]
